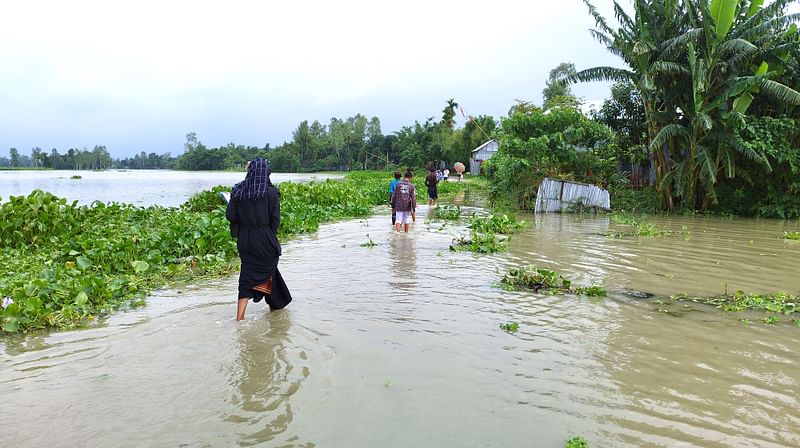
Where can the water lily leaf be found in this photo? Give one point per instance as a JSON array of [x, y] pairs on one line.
[[81, 299], [72, 253], [11, 325], [140, 266], [83, 262]]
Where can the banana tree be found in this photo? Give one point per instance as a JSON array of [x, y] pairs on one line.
[[639, 43], [718, 59]]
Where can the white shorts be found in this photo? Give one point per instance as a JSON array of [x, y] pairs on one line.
[[403, 217]]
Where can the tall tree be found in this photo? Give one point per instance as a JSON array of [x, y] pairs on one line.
[[36, 156], [557, 92], [449, 114], [13, 155]]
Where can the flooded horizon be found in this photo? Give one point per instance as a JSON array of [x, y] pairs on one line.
[[400, 346], [167, 188]]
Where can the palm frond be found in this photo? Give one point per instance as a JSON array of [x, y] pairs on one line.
[[780, 91], [725, 159], [761, 28], [623, 17], [749, 153], [666, 68], [602, 38], [736, 46], [668, 132], [677, 44], [706, 164], [599, 20], [600, 74]]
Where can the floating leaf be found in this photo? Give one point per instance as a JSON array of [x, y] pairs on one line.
[[11, 325], [81, 299], [140, 266], [83, 262]]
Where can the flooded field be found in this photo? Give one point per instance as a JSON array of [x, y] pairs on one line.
[[398, 345], [139, 187]]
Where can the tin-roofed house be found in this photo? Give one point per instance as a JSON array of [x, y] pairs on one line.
[[481, 154]]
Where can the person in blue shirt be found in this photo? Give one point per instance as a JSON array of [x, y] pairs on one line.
[[392, 186]]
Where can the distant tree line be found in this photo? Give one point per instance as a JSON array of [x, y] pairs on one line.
[[347, 144], [74, 159], [354, 143]]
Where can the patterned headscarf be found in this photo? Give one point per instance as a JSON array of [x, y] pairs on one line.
[[255, 184]]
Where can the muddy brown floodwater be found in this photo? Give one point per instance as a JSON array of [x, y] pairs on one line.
[[398, 345]]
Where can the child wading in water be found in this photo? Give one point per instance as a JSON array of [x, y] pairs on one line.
[[392, 186], [405, 202]]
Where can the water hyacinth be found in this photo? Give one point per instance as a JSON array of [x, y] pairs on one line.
[[7, 301]]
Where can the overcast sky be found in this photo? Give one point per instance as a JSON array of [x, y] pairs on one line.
[[138, 77]]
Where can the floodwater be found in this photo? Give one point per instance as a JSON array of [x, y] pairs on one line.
[[139, 187], [399, 345]]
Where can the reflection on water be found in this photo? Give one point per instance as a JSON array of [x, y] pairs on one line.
[[404, 344], [139, 187], [264, 379], [403, 255]]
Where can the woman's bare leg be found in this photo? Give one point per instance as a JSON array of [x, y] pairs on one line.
[[241, 307]]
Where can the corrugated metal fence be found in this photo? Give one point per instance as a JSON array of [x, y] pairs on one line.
[[557, 196]]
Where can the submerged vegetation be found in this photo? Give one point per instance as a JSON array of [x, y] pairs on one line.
[[483, 235], [642, 227], [540, 279], [65, 264], [576, 442], [780, 303], [479, 243], [496, 223], [510, 327], [447, 212]]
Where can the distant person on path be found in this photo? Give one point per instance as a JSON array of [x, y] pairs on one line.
[[255, 215], [445, 174], [392, 185], [410, 174], [405, 202], [430, 181]]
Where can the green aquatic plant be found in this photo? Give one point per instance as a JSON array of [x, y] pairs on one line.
[[777, 304], [75, 177], [66, 264], [650, 229], [510, 327], [206, 201], [369, 242], [496, 223], [791, 236], [447, 212], [642, 227], [481, 243], [576, 442], [541, 279], [591, 291]]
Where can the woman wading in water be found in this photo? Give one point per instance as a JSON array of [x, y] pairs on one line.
[[255, 215]]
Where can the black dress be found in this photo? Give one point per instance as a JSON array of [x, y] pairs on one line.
[[254, 223]]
